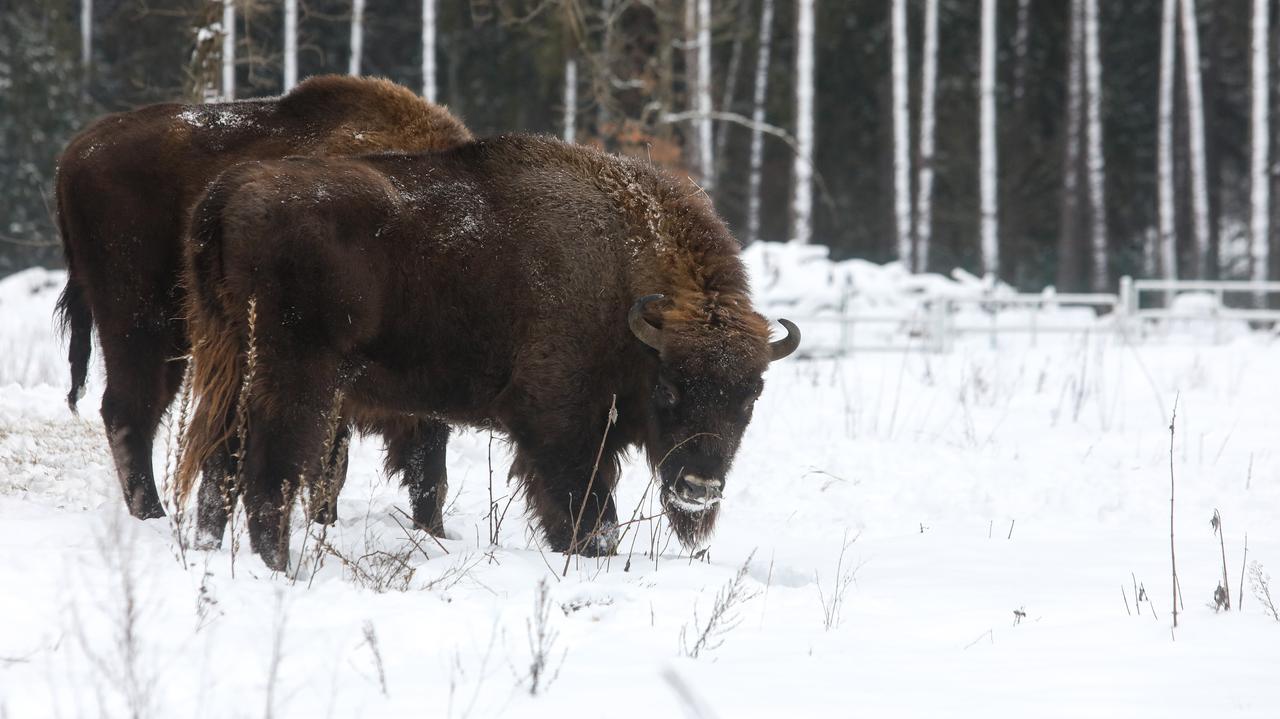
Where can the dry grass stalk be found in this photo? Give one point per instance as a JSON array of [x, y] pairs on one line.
[[1261, 584], [833, 605], [1221, 595], [232, 489], [1243, 560], [723, 618], [371, 639], [1173, 559], [173, 454], [277, 655], [542, 640]]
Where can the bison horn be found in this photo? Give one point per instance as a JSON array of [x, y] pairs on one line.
[[785, 346], [640, 327]]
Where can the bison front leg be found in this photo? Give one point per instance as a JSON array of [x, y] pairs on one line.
[[416, 450], [140, 385], [572, 495]]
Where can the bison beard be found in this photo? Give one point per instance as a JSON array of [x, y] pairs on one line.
[[124, 189], [518, 284]]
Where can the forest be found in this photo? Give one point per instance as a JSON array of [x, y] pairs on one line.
[[1064, 143]]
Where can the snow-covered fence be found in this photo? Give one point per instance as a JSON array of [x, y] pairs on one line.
[[938, 320], [855, 305], [1203, 302]]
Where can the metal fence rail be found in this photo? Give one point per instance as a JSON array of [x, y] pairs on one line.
[[939, 320]]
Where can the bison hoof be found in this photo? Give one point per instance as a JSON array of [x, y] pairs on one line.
[[144, 507], [600, 543]]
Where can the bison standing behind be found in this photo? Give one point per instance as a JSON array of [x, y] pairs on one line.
[[125, 187], [517, 283]]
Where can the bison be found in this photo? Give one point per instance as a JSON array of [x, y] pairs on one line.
[[577, 302], [125, 186]]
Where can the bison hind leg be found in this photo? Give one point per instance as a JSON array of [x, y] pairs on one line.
[[288, 429], [323, 489], [416, 450], [216, 497]]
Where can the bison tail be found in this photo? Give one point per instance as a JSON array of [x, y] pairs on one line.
[[74, 317], [217, 344], [76, 321]]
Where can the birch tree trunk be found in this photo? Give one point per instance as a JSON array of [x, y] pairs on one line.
[[429, 50], [1260, 148], [1166, 221], [928, 106], [86, 35], [290, 44], [990, 226], [1195, 133], [1070, 253], [1021, 38], [758, 100], [706, 142], [901, 136], [731, 83], [693, 139], [357, 37], [802, 174], [570, 124], [1096, 161], [228, 50]]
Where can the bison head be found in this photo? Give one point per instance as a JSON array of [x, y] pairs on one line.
[[710, 372]]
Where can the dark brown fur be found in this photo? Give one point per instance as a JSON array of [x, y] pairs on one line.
[[488, 286], [124, 189]]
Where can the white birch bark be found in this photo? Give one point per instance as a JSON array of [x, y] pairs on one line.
[[429, 50], [731, 84], [692, 152], [706, 146], [901, 136], [1070, 254], [1095, 161], [990, 228], [86, 34], [1195, 132], [1165, 221], [928, 105], [357, 37], [570, 100], [228, 50], [759, 98], [290, 44], [1021, 38], [1260, 122], [802, 174]]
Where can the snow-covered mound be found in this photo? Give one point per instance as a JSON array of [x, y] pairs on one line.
[[30, 351]]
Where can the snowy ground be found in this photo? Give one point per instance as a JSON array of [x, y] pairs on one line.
[[970, 486]]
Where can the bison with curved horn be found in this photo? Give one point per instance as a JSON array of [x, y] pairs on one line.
[[125, 186], [516, 283]]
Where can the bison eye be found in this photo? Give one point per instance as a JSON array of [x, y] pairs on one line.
[[665, 393]]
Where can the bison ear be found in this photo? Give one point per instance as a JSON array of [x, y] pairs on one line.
[[785, 346], [641, 327]]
